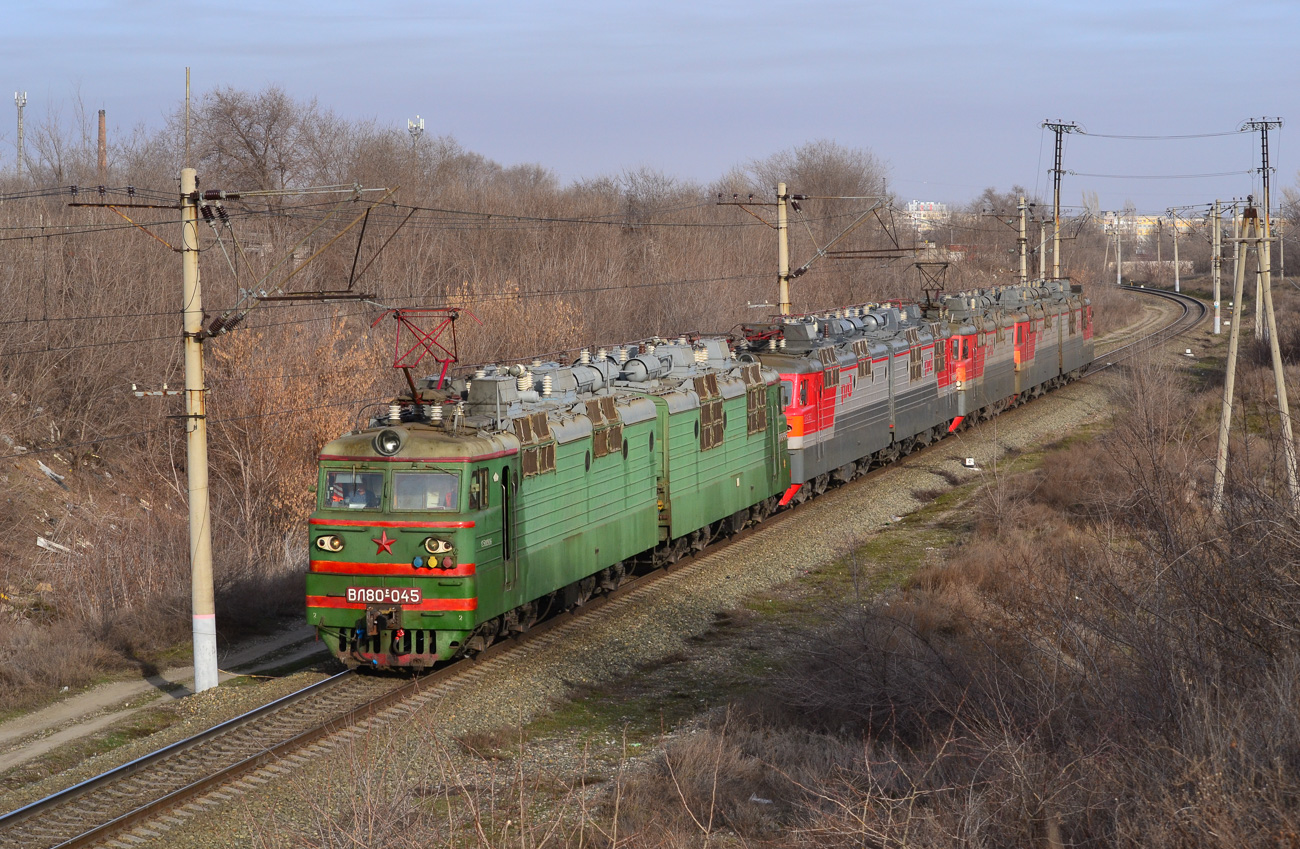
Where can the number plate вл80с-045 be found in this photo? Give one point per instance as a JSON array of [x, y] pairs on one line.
[[384, 595]]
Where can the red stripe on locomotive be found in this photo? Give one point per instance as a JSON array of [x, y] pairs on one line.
[[427, 604]]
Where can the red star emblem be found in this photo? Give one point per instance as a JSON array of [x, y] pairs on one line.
[[385, 544]]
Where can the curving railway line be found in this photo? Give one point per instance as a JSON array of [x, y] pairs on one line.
[[140, 798], [1194, 312]]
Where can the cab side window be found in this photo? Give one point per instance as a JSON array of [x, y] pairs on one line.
[[478, 490]]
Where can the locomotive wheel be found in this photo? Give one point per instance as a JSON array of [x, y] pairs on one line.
[[672, 552], [586, 588], [699, 539], [484, 635], [763, 509], [522, 617], [611, 577]]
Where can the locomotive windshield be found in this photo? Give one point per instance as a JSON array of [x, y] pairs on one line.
[[349, 490], [425, 490]]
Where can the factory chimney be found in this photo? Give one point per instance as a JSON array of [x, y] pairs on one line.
[[103, 149]]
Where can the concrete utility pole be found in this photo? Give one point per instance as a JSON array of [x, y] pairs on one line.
[[1263, 125], [784, 203], [20, 100], [1022, 242], [1279, 376], [1216, 261], [1060, 129], [1119, 265], [1229, 381], [1177, 284], [196, 443], [1042, 250], [782, 249], [1253, 234], [1237, 307]]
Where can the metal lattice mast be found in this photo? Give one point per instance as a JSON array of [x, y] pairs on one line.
[[20, 100]]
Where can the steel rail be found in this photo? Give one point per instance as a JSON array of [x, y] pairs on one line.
[[132, 767], [158, 806], [1194, 312]]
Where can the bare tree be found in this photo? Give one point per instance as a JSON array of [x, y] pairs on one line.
[[265, 141]]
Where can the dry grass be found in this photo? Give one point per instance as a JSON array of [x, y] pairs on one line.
[[1096, 665]]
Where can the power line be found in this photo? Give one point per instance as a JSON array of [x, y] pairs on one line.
[[468, 297], [96, 441], [1159, 138], [167, 428], [1160, 176], [255, 377]]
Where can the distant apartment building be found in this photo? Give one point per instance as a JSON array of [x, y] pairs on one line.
[[1144, 226], [927, 215]]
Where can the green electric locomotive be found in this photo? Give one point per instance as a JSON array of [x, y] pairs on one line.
[[465, 513]]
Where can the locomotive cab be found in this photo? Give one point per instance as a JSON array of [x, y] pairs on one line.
[[401, 514]]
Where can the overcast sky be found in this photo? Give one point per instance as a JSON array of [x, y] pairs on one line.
[[951, 95]]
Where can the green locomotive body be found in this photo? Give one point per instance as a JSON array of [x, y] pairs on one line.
[[463, 516]]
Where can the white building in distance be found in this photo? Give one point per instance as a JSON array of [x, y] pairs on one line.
[[926, 215]]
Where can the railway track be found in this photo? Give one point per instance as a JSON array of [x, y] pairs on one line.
[[259, 745], [138, 799], [1194, 312]]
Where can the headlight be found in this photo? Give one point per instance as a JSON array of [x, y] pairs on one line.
[[329, 542], [388, 442], [433, 545]]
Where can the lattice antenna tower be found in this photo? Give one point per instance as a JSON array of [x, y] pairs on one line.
[[20, 100]]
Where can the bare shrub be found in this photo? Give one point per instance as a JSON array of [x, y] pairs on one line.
[[46, 657], [377, 803]]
